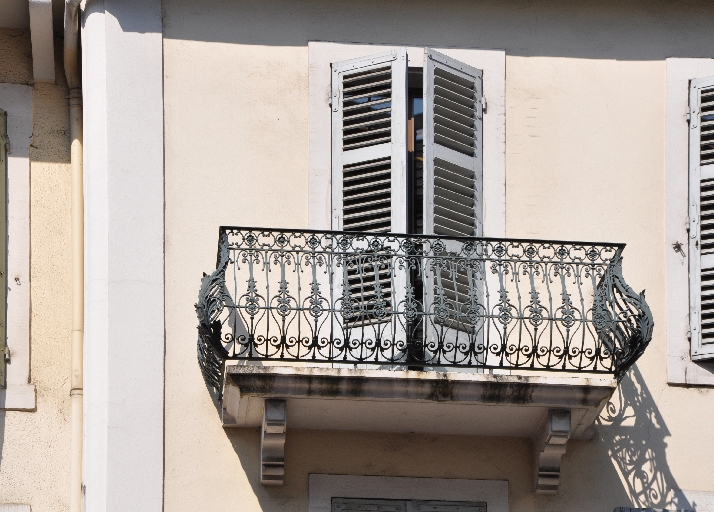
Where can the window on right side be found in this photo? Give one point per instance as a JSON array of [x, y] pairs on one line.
[[701, 217]]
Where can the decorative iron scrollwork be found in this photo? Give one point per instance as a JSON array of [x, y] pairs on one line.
[[418, 301]]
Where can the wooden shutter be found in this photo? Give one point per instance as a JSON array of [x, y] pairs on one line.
[[369, 175], [367, 505], [3, 244], [453, 147], [449, 506], [371, 505], [369, 143], [453, 191], [701, 217]]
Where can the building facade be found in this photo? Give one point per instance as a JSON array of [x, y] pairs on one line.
[[358, 256]]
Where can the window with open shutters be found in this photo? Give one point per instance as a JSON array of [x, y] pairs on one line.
[[390, 176], [701, 217], [370, 505], [371, 139]]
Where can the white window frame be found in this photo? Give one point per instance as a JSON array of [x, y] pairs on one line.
[[19, 394], [493, 64], [681, 369], [322, 488]]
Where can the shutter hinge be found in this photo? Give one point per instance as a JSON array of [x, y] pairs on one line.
[[689, 334], [689, 114], [7, 145], [689, 227], [484, 104], [6, 354]]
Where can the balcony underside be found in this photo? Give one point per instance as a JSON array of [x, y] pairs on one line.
[[412, 401]]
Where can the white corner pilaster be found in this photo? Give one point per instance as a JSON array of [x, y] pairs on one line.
[[124, 255], [272, 443], [550, 444]]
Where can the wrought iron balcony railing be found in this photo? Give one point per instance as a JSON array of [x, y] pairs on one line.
[[418, 302]]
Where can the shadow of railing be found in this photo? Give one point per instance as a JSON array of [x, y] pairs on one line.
[[635, 433]]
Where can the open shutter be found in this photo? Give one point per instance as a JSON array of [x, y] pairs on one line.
[[453, 147], [453, 198], [369, 143], [369, 193], [701, 216], [3, 245]]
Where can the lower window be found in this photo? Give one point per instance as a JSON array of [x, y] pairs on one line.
[[370, 505]]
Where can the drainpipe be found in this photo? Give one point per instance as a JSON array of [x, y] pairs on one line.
[[74, 82]]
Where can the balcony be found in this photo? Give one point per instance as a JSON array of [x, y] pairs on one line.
[[391, 332]]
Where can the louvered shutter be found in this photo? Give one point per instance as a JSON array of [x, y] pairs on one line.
[[369, 193], [453, 193], [449, 506], [701, 216], [453, 147], [367, 505], [369, 143], [3, 244], [371, 505]]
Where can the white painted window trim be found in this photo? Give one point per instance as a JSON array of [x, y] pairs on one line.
[[19, 394], [681, 370], [322, 488], [493, 64]]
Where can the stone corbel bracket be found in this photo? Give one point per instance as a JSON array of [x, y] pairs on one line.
[[272, 443], [550, 443]]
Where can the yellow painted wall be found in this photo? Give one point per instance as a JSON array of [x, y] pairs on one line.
[[34, 446], [585, 121]]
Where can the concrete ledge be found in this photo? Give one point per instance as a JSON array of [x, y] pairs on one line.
[[412, 401]]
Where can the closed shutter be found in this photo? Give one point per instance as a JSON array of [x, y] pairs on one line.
[[3, 244], [369, 143], [370, 505], [453, 195], [701, 216], [369, 193], [367, 505], [449, 506]]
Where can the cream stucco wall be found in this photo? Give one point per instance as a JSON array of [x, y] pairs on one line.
[[34, 446], [585, 121]]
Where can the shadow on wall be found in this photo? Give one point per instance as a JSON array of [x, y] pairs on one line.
[[597, 29], [634, 432]]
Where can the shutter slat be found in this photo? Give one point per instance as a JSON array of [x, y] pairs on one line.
[[372, 84]]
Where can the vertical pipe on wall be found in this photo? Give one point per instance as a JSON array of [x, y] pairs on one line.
[[71, 69]]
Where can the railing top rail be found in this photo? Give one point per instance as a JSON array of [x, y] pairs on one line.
[[616, 245]]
